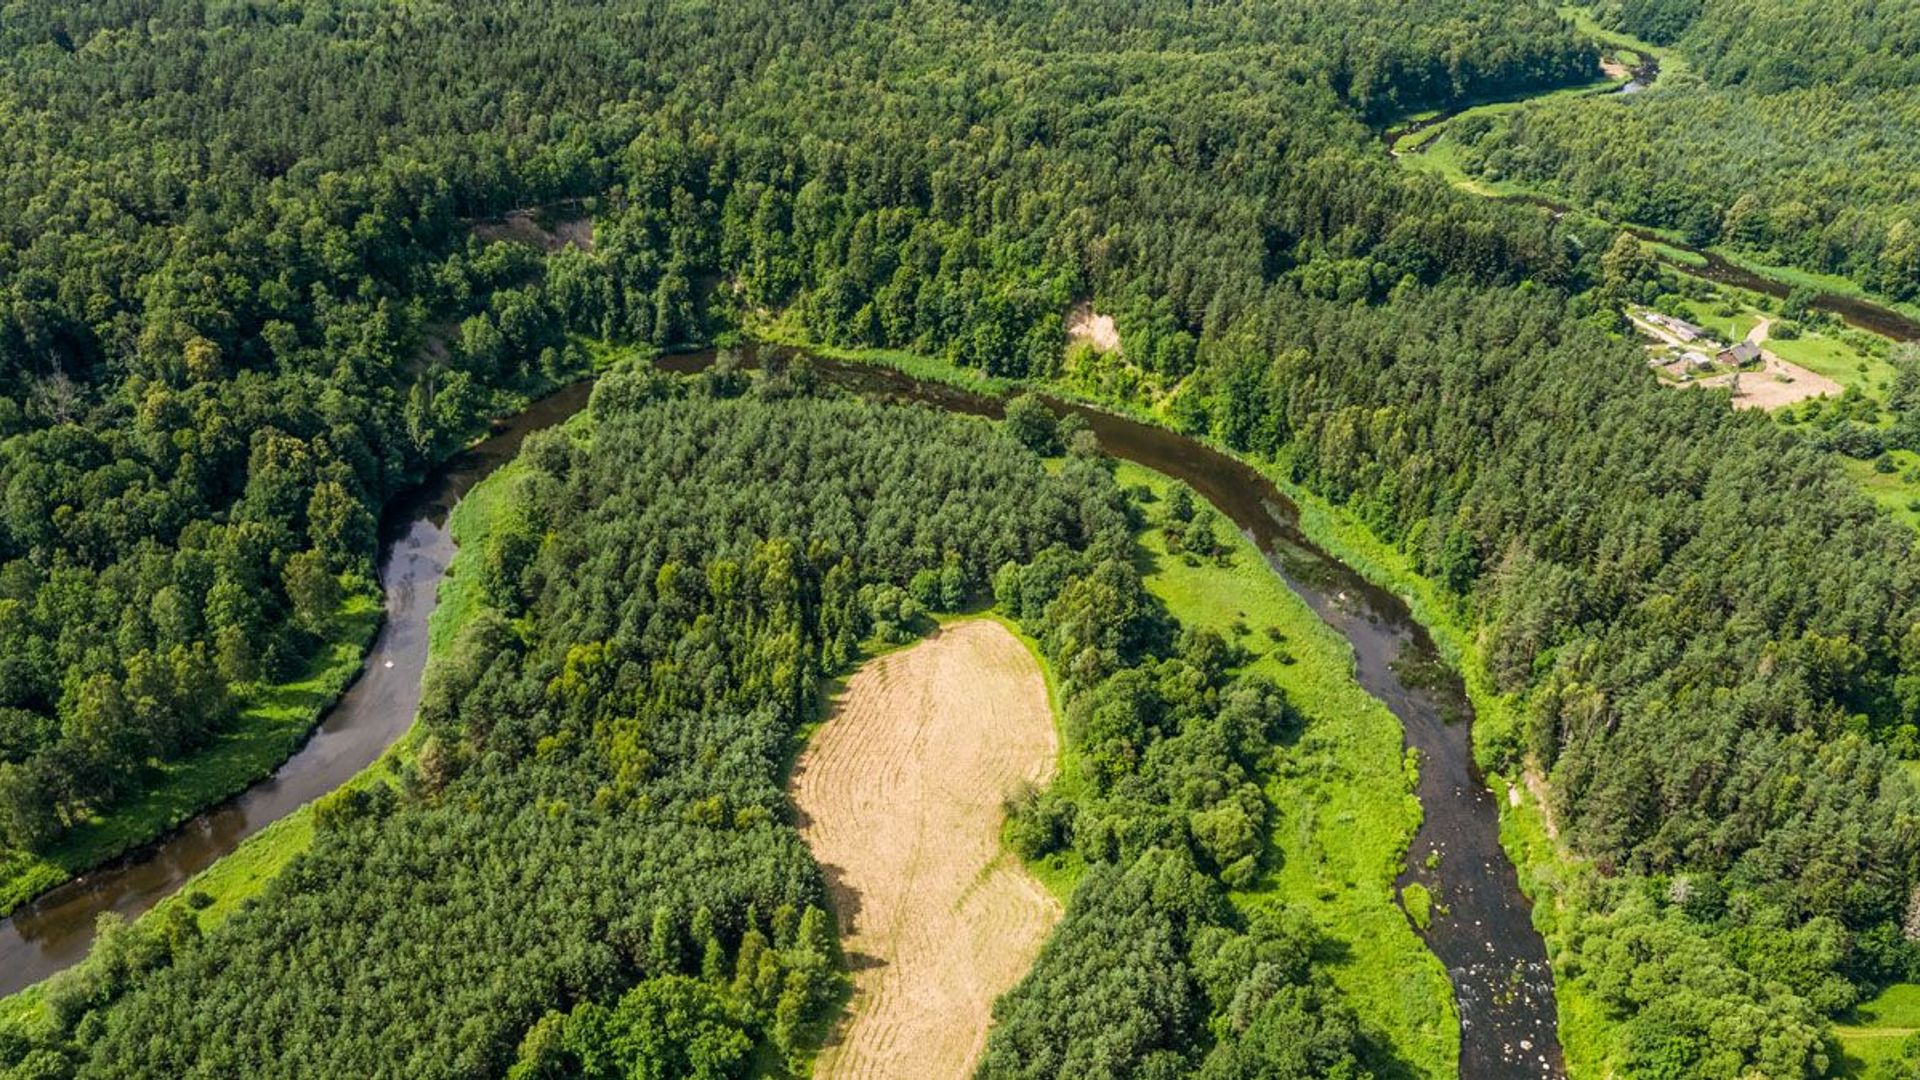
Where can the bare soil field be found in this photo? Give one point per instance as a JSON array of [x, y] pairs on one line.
[[901, 796], [1775, 384]]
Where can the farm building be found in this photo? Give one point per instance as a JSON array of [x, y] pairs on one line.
[[1678, 327], [1740, 355]]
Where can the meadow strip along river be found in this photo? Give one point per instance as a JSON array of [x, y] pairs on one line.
[[1481, 927], [55, 930]]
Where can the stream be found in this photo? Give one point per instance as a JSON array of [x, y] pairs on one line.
[[1481, 928], [56, 929]]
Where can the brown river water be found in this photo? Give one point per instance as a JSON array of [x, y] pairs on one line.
[[1481, 929]]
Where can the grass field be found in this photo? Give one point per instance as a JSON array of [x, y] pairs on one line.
[[1879, 1029], [1894, 492], [1345, 809], [272, 723]]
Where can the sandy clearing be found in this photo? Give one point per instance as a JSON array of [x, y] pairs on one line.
[[1774, 384], [900, 796], [1085, 324]]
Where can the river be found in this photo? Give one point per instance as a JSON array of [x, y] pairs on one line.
[[1859, 313], [55, 930], [1481, 927]]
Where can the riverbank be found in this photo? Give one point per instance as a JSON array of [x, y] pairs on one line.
[[1342, 794], [56, 930], [1546, 871], [272, 724], [1481, 930], [217, 892], [1433, 152]]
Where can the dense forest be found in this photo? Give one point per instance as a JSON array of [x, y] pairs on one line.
[[241, 303], [238, 308], [589, 871], [1795, 143]]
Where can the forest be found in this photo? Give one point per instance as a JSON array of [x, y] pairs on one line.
[[1791, 141], [242, 303], [588, 870]]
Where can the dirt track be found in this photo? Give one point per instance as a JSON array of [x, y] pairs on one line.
[[901, 797]]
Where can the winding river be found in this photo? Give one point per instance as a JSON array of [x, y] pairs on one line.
[[1481, 928], [1857, 312], [56, 929]]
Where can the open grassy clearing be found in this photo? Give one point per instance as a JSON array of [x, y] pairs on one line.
[[1896, 492], [1878, 1029], [1345, 810], [1852, 358], [1499, 105], [1672, 63], [273, 721], [901, 796]]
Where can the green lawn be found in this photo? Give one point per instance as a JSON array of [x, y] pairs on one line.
[[1826, 354], [1878, 1029], [1895, 493], [1344, 804], [271, 725], [1727, 328]]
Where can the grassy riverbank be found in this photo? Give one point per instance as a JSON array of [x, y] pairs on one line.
[[1672, 63], [1342, 793], [272, 723], [221, 889], [785, 330], [1326, 797]]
